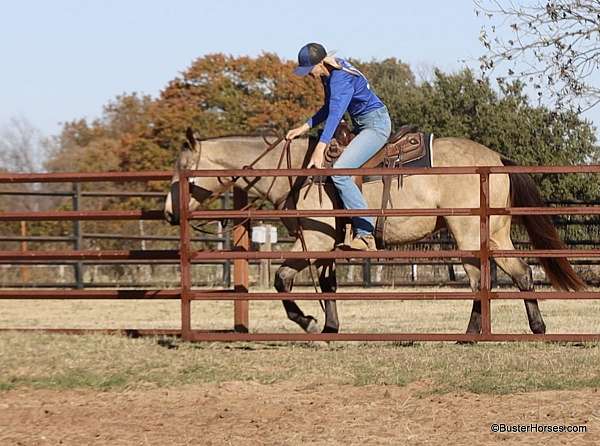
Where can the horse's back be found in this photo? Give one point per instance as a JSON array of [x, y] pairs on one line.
[[463, 190], [453, 151]]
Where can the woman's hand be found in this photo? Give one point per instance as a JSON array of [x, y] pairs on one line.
[[294, 133], [316, 159]]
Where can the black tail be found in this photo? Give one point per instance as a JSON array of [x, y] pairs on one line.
[[525, 193]]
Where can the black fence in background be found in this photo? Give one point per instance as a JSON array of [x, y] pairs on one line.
[[586, 233]]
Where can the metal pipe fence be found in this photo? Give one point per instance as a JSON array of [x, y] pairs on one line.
[[441, 241], [241, 252]]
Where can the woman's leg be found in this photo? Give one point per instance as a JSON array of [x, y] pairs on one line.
[[360, 150]]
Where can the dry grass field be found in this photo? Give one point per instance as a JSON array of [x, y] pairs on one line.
[[269, 316], [57, 389]]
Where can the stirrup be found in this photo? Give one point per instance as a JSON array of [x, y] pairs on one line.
[[363, 243]]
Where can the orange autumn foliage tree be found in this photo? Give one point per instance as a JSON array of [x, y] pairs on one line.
[[217, 95], [223, 95]]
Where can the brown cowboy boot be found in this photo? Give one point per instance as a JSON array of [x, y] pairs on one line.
[[363, 243]]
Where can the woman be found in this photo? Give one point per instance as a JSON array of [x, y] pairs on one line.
[[346, 90]]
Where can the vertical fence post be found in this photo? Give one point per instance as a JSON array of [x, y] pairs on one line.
[[484, 251], [184, 255], [227, 264], [77, 235], [25, 277], [366, 273], [264, 264], [241, 277]]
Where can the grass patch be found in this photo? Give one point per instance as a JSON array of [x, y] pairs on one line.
[[110, 362], [72, 379]]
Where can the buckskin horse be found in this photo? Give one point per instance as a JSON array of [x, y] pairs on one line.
[[416, 191]]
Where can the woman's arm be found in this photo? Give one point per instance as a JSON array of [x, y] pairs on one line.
[[342, 90], [319, 116], [294, 133], [322, 113]]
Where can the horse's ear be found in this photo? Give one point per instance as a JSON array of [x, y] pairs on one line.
[[189, 134], [193, 139]]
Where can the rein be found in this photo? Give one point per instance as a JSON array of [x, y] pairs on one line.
[[226, 185]]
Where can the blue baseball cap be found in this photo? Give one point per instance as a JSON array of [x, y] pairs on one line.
[[308, 56]]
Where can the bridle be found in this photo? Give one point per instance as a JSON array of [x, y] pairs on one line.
[[263, 197], [227, 184]]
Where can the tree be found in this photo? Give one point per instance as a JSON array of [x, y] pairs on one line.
[[20, 146], [220, 95], [460, 105], [103, 144], [552, 46], [394, 82], [20, 151]]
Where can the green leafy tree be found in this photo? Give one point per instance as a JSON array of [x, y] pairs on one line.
[[394, 82], [460, 105]]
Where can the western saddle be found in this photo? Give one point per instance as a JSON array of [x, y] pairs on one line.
[[404, 146]]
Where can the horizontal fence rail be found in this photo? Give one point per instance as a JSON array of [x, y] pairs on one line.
[[242, 253]]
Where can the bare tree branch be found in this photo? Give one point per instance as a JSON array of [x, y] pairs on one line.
[[20, 146], [552, 46]]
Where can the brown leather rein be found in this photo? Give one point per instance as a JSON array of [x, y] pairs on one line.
[[229, 183], [226, 185]]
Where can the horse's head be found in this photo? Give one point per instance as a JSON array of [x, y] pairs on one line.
[[231, 152], [189, 159]]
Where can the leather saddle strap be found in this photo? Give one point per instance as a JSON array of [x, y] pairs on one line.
[[385, 200]]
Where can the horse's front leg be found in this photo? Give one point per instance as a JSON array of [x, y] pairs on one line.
[[319, 234], [284, 282], [328, 284]]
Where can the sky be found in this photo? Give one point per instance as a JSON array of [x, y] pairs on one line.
[[64, 59]]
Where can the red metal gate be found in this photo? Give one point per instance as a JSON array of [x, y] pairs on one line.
[[242, 253]]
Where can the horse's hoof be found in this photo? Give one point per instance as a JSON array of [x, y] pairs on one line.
[[312, 326], [328, 329], [538, 328]]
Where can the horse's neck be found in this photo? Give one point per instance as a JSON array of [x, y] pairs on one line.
[[237, 152]]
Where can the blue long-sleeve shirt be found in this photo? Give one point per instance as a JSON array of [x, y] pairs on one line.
[[345, 90]]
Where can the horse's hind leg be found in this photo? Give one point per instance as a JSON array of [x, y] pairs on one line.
[[474, 274], [466, 233], [520, 272], [284, 282]]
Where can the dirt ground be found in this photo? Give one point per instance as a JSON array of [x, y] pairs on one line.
[[290, 414]]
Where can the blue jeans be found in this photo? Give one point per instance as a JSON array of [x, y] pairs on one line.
[[374, 130]]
